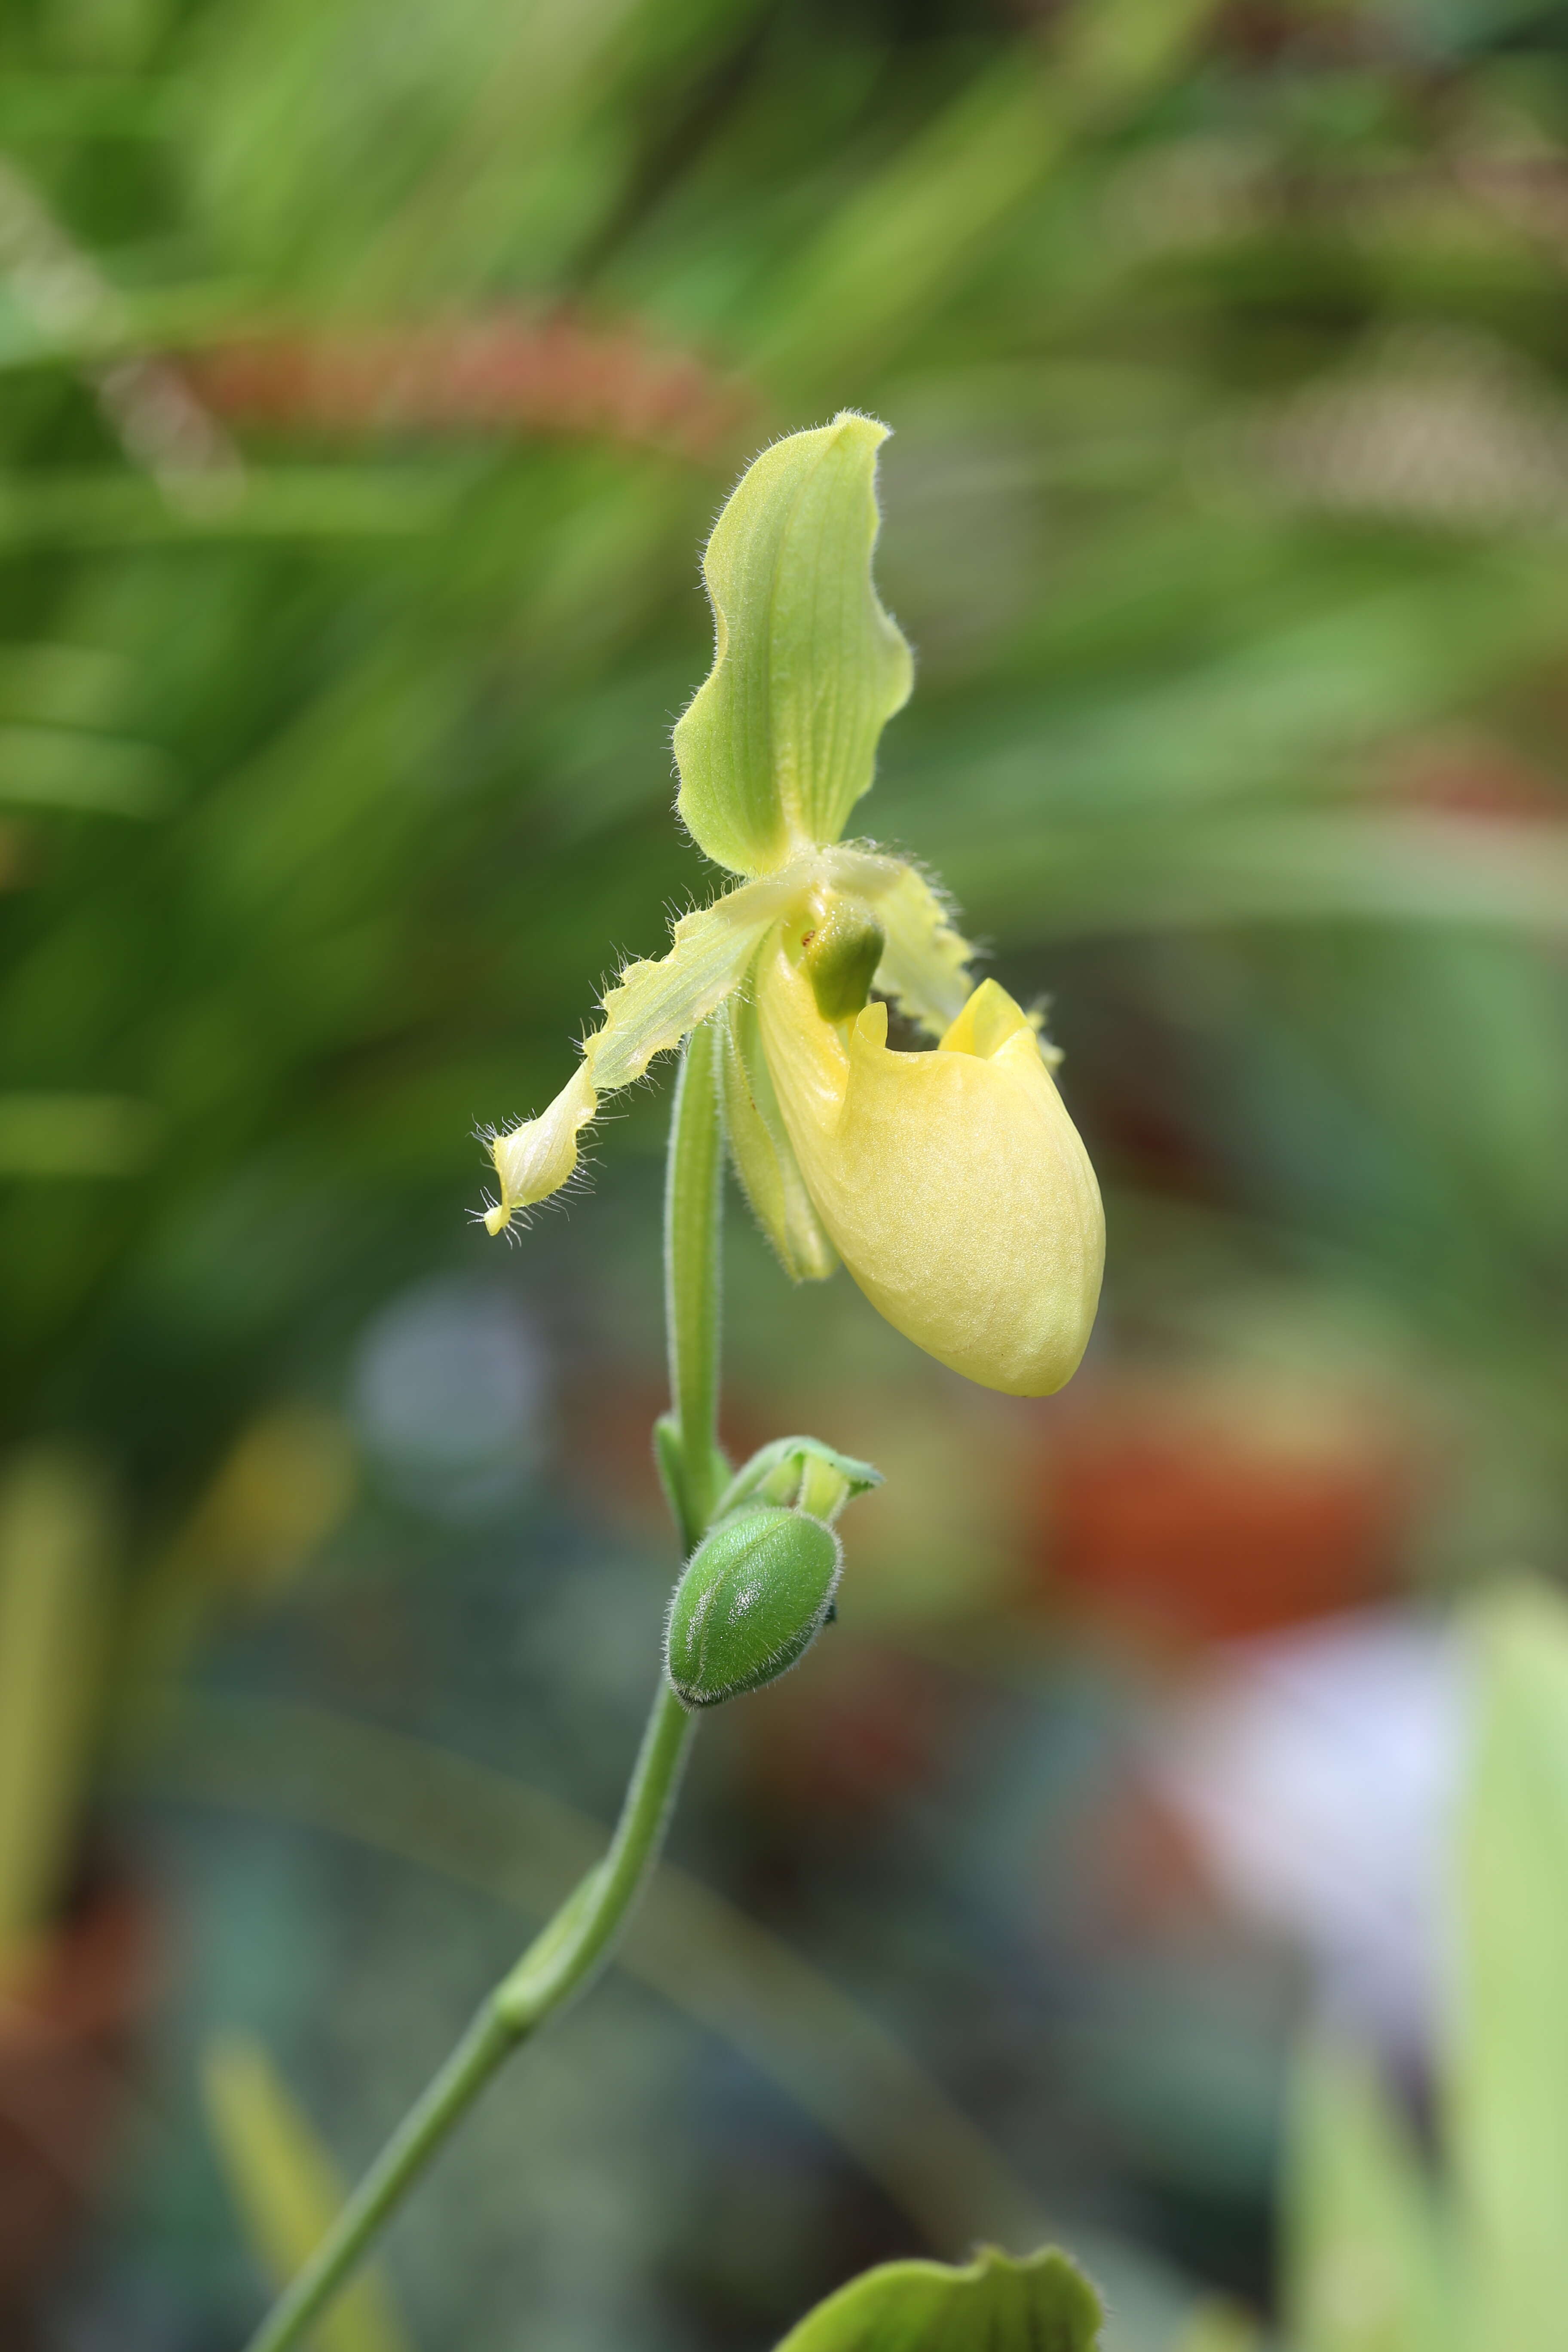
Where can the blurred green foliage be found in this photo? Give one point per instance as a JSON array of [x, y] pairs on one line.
[[1383, 2253], [1223, 348], [55, 1607], [287, 2187]]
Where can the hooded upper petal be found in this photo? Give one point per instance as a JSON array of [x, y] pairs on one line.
[[954, 1185]]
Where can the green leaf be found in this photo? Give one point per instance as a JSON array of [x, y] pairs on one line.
[[1366, 2268], [287, 2189], [1043, 2304], [1509, 2087], [780, 741]]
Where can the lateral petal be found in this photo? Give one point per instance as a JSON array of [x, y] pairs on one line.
[[761, 1150], [651, 1008]]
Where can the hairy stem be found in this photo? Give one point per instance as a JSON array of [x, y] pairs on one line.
[[693, 1198]]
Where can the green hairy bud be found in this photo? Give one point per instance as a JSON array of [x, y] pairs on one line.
[[755, 1594]]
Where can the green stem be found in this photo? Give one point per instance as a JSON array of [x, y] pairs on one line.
[[557, 1964], [693, 1203], [561, 1959], [427, 2123]]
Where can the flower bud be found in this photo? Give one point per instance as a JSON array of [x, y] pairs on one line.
[[755, 1596]]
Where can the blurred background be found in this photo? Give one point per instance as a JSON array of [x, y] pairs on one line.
[[370, 375]]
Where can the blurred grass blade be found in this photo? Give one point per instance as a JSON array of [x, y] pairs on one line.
[[67, 768], [1509, 2088], [278, 1494], [1220, 2325], [1043, 2304], [61, 684], [304, 502], [58, 285], [893, 251], [1110, 54], [55, 1600], [1305, 865], [895, 248], [274, 1500], [287, 2189], [83, 106], [76, 1135], [1366, 2265]]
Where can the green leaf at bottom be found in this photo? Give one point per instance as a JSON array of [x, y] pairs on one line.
[[1043, 2304]]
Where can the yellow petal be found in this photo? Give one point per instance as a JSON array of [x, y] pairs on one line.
[[952, 1182], [769, 1173], [536, 1159]]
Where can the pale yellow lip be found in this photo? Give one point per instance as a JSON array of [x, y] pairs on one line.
[[951, 1182]]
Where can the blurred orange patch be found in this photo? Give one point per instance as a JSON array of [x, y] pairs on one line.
[[1224, 1509], [504, 373]]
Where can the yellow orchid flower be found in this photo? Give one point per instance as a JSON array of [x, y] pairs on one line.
[[952, 1182]]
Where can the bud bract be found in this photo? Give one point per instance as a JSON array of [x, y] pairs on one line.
[[801, 1472], [754, 1597]]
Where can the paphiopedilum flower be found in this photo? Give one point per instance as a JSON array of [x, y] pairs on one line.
[[950, 1180]]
